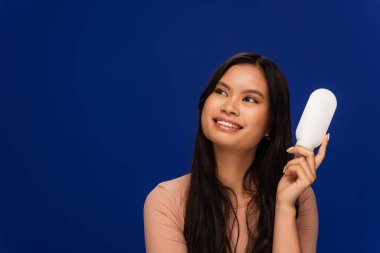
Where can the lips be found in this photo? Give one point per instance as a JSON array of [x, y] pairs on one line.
[[226, 120]]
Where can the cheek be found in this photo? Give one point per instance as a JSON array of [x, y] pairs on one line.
[[208, 109], [258, 120], [205, 115]]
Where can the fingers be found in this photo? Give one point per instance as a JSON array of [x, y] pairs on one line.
[[314, 161], [311, 172], [302, 174], [300, 151], [321, 151]]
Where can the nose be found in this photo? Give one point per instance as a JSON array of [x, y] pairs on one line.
[[230, 107]]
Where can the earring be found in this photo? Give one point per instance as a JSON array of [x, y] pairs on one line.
[[267, 136]]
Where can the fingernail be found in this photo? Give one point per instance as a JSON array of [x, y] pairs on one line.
[[328, 136], [289, 149], [283, 171]]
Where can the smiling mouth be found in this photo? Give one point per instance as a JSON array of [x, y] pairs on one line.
[[228, 125]]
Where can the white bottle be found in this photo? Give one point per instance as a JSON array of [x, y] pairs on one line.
[[316, 118]]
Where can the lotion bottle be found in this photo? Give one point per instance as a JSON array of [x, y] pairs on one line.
[[316, 118]]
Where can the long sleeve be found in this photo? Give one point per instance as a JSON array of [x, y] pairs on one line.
[[307, 221], [163, 226]]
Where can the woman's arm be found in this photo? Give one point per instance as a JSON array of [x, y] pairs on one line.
[[297, 235], [290, 235], [162, 229], [285, 236]]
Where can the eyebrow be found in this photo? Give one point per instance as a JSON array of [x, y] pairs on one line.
[[244, 91]]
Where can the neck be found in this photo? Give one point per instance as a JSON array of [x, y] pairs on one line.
[[231, 168]]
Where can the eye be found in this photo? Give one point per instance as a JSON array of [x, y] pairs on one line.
[[254, 100], [219, 91]]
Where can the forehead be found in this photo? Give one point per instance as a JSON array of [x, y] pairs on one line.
[[245, 76]]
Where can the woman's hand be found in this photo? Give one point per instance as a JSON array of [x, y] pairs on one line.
[[299, 173]]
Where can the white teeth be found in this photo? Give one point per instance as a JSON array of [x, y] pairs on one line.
[[226, 124]]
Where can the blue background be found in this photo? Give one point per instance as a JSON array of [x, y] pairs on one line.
[[98, 104]]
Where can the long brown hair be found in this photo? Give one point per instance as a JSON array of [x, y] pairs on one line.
[[208, 206]]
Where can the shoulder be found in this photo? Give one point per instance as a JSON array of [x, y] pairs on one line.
[[171, 188], [164, 216], [175, 185], [170, 194]]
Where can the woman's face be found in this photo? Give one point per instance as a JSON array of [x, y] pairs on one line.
[[231, 101]]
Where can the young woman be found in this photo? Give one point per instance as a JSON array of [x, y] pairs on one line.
[[248, 190]]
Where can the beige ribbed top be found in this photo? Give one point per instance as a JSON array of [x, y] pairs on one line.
[[164, 211]]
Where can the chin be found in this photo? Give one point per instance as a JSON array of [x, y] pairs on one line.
[[223, 140]]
